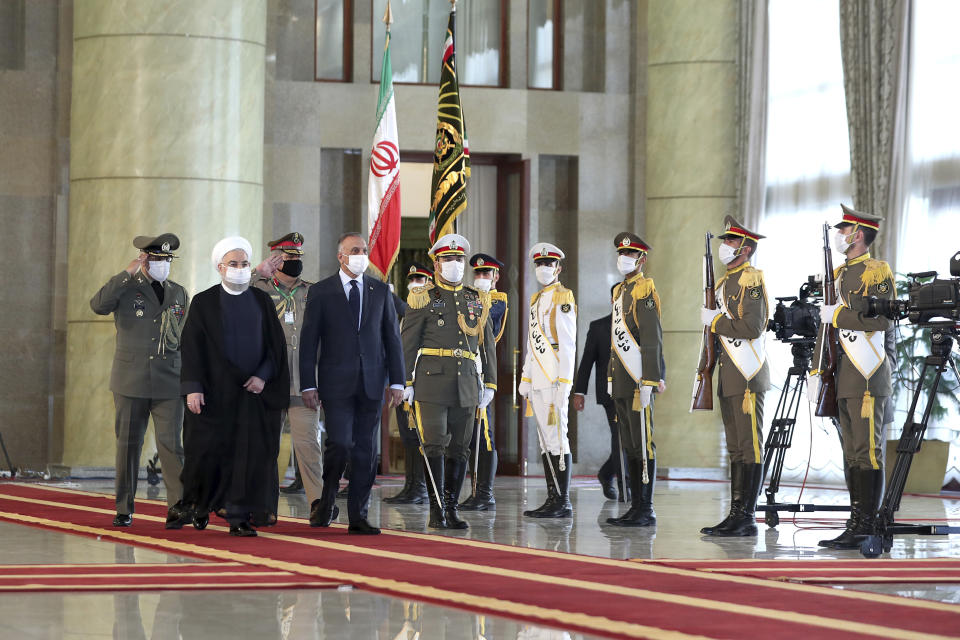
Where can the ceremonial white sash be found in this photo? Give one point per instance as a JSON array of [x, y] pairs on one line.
[[624, 344], [864, 348], [542, 351], [748, 355]]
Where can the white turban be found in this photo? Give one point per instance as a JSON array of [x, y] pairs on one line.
[[227, 245]]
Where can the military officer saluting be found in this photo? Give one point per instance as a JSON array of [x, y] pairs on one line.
[[451, 362], [547, 376], [486, 273], [279, 276], [414, 489], [149, 311], [636, 370], [863, 372], [739, 323]]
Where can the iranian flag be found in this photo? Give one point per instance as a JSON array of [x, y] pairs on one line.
[[383, 189]]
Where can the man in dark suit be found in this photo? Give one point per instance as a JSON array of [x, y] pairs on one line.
[[596, 355], [350, 347]]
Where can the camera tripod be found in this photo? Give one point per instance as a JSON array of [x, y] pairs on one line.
[[781, 435], [941, 344]]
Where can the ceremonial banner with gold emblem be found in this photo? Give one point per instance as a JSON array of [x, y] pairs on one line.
[[383, 188], [451, 155]]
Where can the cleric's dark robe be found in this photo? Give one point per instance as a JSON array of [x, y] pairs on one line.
[[231, 446]]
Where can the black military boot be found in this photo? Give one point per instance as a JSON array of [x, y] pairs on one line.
[[743, 521], [848, 539], [561, 507], [487, 471], [551, 488], [414, 487], [736, 499], [456, 471], [641, 513], [869, 486], [437, 518]]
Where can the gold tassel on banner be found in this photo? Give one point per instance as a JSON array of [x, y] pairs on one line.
[[866, 409], [747, 405], [529, 411], [552, 418], [637, 405]]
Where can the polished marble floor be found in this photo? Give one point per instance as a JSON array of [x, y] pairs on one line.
[[682, 508]]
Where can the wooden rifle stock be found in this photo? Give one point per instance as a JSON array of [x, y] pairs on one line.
[[703, 383], [830, 343]]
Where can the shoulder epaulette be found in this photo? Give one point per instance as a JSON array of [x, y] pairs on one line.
[[643, 289], [751, 277], [875, 272], [562, 295], [419, 297], [500, 296]]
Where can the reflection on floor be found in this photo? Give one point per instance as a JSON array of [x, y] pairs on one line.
[[682, 508]]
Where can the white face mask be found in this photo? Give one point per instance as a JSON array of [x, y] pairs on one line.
[[235, 275], [840, 244], [452, 271], [358, 263], [546, 275], [726, 253], [626, 264], [158, 270], [483, 284]]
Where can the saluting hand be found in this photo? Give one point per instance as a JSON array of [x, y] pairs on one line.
[[270, 266], [194, 402], [136, 264]]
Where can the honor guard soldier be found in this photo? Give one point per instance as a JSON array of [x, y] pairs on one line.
[[451, 362], [414, 489], [486, 273], [636, 370], [149, 311], [863, 373], [739, 323], [547, 376], [279, 276]]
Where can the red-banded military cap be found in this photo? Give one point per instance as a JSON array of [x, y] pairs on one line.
[[733, 229], [452, 244], [545, 251], [851, 216], [161, 246], [290, 243], [484, 262], [418, 270], [626, 241]]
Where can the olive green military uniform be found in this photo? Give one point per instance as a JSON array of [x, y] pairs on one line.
[[145, 379], [441, 336]]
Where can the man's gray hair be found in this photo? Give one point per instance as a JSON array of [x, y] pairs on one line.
[[349, 234]]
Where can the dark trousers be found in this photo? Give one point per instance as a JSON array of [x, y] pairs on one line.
[[351, 423], [408, 436], [611, 467]]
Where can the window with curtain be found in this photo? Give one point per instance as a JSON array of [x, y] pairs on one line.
[[928, 236], [807, 176], [543, 24], [334, 36], [419, 28]]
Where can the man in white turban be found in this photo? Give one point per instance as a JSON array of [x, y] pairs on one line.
[[236, 382]]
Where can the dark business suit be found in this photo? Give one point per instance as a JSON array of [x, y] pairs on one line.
[[350, 367], [596, 354]]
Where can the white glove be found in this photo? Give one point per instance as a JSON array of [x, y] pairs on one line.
[[826, 313], [523, 388], [609, 387], [813, 388], [408, 395], [485, 397], [707, 315], [645, 393]]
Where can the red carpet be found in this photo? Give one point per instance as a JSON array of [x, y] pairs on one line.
[[150, 577], [933, 570], [606, 597]]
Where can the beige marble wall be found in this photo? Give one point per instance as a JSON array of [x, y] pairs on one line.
[[690, 185], [166, 135]]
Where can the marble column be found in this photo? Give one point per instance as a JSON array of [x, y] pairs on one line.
[[690, 185], [166, 136]]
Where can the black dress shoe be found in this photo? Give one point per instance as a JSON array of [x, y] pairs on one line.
[[609, 486], [242, 530], [363, 527], [123, 520], [294, 487], [177, 516], [321, 515]]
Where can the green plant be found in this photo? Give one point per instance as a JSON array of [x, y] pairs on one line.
[[913, 346]]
